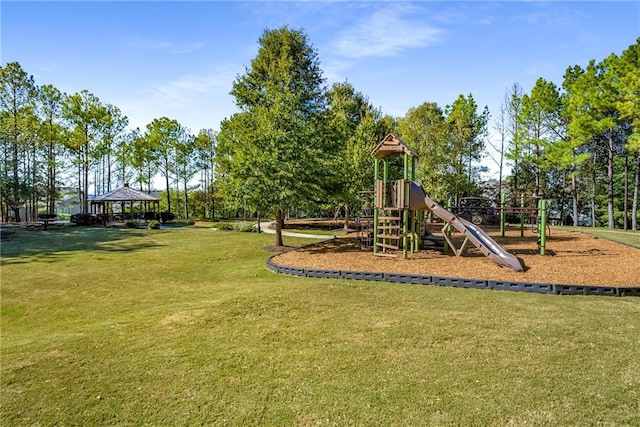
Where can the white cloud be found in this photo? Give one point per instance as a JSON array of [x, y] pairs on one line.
[[538, 69], [180, 98], [175, 48], [387, 32]]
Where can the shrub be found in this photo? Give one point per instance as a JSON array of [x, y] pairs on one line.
[[132, 224], [154, 225], [223, 226], [243, 226]]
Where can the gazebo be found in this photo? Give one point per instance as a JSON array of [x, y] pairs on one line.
[[103, 205]]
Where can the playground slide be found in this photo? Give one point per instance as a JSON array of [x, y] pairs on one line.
[[418, 200]]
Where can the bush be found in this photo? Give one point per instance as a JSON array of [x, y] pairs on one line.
[[132, 224], [243, 226], [222, 226], [154, 225]]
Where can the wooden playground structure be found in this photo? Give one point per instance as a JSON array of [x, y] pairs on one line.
[[396, 221]]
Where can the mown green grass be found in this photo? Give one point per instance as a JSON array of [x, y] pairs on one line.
[[188, 327], [628, 237]]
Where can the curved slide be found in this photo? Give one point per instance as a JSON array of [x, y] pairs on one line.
[[418, 200]]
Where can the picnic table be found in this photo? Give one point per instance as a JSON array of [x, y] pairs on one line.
[[47, 219]]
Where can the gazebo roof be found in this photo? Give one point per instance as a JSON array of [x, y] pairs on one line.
[[125, 194], [392, 145]]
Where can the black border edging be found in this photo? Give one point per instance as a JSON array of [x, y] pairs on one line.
[[458, 282], [540, 288]]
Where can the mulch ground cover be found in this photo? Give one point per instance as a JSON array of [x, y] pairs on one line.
[[572, 258]]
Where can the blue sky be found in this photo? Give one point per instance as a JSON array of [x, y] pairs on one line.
[[179, 59]]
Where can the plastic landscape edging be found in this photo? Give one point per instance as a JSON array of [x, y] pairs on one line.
[[457, 282]]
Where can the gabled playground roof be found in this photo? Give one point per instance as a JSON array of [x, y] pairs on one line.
[[125, 194], [392, 145]]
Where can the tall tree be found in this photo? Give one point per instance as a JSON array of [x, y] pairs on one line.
[[205, 146], [142, 160], [185, 166], [500, 126], [274, 151], [513, 107], [351, 124], [467, 132], [424, 128], [628, 104], [163, 136], [113, 130], [16, 102], [86, 115], [594, 118], [50, 102], [539, 119]]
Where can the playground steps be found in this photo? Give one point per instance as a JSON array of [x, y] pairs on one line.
[[389, 231], [389, 236], [387, 246], [386, 254]]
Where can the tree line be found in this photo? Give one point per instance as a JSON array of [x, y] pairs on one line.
[[295, 143], [55, 144]]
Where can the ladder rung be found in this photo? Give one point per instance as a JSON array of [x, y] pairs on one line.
[[384, 245], [388, 218], [389, 236], [385, 254], [389, 227]]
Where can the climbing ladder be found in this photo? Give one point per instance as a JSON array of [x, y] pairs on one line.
[[389, 231]]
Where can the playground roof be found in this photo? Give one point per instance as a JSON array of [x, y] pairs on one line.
[[125, 194], [390, 146]]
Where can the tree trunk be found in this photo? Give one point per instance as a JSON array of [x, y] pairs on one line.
[[258, 229], [346, 217], [611, 221], [593, 194], [279, 224], [625, 217], [186, 200], [15, 164], [85, 184], [574, 198], [166, 177], [634, 212]]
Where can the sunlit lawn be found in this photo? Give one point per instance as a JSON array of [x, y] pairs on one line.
[[628, 237], [188, 327]]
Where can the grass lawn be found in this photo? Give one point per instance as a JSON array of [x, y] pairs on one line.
[[629, 237], [188, 327]]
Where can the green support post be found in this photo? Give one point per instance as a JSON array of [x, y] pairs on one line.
[[376, 170], [414, 218], [522, 215], [503, 214], [447, 230], [385, 180], [542, 226], [405, 208]]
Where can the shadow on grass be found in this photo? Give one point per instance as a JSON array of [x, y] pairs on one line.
[[54, 244]]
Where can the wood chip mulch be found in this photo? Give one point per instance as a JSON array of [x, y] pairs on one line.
[[572, 258]]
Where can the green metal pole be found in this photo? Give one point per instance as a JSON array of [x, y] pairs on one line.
[[522, 215], [503, 214], [445, 245], [415, 217], [385, 181], [405, 208], [413, 168], [542, 226], [376, 170]]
